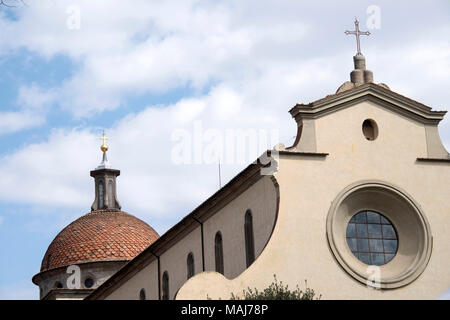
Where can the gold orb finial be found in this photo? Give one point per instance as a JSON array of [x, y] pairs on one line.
[[104, 147]]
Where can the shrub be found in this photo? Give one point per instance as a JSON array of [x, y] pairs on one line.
[[277, 291]]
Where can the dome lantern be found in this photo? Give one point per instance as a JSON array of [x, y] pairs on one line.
[[105, 183]]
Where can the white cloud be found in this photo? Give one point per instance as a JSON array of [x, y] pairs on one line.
[[56, 172], [34, 98], [49, 172], [16, 121], [260, 62], [137, 48], [156, 47], [33, 105]]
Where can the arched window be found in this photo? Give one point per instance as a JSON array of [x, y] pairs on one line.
[[100, 195], [249, 239], [142, 294], [110, 194], [190, 265], [165, 286], [219, 252]]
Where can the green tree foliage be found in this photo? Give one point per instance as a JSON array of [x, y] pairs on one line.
[[277, 291]]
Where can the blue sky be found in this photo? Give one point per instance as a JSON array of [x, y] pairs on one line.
[[147, 71]]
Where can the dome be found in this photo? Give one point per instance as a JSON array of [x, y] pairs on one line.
[[101, 235]]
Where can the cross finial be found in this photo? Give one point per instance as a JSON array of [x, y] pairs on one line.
[[104, 147], [357, 33]]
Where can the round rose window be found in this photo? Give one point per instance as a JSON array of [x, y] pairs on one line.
[[372, 238]]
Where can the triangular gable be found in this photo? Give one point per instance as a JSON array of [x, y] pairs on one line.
[[372, 92]]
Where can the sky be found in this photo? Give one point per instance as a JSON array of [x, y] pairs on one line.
[[170, 83]]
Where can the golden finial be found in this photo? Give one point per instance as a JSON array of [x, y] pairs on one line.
[[104, 147]]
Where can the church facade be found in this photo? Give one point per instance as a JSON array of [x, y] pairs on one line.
[[358, 207]]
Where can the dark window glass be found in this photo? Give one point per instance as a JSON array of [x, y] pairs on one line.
[[351, 230], [142, 294], [384, 220], [373, 217], [376, 245], [111, 193], [359, 218], [190, 265], [351, 243], [374, 230], [361, 230], [219, 252], [100, 195], [370, 129], [364, 257], [390, 246], [377, 258], [165, 286], [371, 238], [249, 238], [88, 283], [363, 245], [389, 232]]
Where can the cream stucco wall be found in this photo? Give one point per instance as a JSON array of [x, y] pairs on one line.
[[174, 260], [260, 198], [298, 248], [146, 279]]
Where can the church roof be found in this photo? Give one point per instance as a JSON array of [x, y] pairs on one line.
[[101, 235]]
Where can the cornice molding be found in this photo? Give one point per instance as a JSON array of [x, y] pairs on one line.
[[434, 160], [368, 92]]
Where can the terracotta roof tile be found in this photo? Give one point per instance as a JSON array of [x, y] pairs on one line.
[[97, 236]]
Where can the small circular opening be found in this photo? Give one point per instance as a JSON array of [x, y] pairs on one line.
[[370, 129], [58, 285], [88, 283]]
